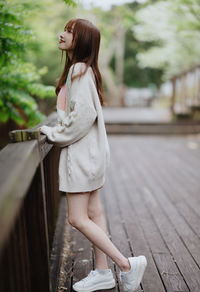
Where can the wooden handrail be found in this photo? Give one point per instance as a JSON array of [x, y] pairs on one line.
[[186, 98], [29, 199], [175, 76]]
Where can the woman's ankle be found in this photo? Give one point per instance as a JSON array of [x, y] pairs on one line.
[[102, 267], [125, 266]]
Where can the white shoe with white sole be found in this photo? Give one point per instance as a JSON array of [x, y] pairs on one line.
[[96, 280], [131, 280]]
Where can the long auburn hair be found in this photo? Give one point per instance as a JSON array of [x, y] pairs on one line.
[[85, 44]]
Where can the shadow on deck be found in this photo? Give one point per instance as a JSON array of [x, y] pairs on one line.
[[151, 203]]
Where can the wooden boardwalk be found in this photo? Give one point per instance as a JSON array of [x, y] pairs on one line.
[[151, 200], [136, 115]]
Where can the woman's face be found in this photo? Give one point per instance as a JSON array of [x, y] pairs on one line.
[[65, 40]]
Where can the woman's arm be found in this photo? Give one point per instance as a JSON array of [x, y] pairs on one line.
[[61, 100], [60, 114], [78, 123]]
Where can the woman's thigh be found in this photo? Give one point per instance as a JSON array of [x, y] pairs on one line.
[[95, 208], [77, 204]]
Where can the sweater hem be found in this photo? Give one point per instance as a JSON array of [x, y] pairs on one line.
[[83, 188]]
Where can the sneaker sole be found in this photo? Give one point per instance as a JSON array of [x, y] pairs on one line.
[[108, 285], [143, 264]]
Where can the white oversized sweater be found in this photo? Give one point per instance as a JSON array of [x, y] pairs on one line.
[[81, 133]]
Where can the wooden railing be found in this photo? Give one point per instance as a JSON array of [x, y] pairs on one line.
[[185, 98], [29, 201]]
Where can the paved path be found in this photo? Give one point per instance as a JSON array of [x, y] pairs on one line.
[[151, 202]]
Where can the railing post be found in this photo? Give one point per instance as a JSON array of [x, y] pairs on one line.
[[51, 186], [37, 233], [173, 80], [15, 261]]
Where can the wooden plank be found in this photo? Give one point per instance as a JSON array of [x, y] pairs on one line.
[[14, 181], [66, 269], [173, 280], [137, 240], [179, 188], [171, 276], [24, 283], [14, 262], [58, 244], [83, 260], [152, 129], [117, 233], [184, 260], [165, 194], [38, 246], [133, 197], [111, 265], [190, 216], [188, 170], [185, 158], [180, 254], [51, 162], [190, 190]]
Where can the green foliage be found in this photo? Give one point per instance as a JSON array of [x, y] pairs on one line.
[[70, 2], [174, 27], [47, 23], [134, 74], [109, 22], [20, 79]]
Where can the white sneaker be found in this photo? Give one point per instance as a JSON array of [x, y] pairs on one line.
[[96, 280], [131, 280]]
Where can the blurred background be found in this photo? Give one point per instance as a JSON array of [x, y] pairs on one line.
[[150, 64], [149, 58]]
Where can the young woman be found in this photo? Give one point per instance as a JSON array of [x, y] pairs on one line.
[[85, 155]]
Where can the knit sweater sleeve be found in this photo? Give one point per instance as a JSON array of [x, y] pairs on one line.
[[83, 114]]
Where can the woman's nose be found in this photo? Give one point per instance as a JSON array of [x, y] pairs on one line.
[[60, 35]]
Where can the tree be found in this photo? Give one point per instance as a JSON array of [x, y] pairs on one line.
[[119, 49], [113, 25], [47, 23], [19, 79], [176, 38]]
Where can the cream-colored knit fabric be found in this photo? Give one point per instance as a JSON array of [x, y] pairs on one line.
[[81, 134]]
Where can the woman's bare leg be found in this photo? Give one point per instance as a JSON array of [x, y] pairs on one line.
[[78, 217], [96, 214]]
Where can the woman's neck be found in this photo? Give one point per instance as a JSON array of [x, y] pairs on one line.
[[70, 54]]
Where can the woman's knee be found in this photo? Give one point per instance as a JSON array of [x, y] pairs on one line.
[[77, 208], [95, 212], [76, 221]]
